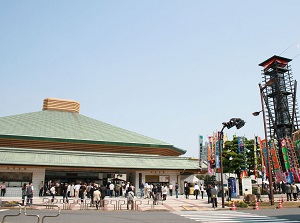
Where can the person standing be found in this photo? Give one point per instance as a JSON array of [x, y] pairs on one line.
[[3, 189], [294, 191], [214, 197], [76, 189], [52, 192], [159, 191], [171, 189], [258, 194], [130, 197], [164, 192], [142, 188], [72, 190], [229, 192], [288, 191], [154, 195], [176, 189], [96, 196], [93, 188], [103, 193], [208, 192], [29, 193], [111, 189], [24, 193], [117, 190], [196, 190], [146, 190], [82, 191], [65, 193], [41, 188]]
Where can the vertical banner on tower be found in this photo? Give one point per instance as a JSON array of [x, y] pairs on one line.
[[264, 154], [255, 157], [209, 156], [242, 151], [200, 152], [241, 145], [217, 152]]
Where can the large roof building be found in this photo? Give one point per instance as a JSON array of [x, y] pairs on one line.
[[61, 145]]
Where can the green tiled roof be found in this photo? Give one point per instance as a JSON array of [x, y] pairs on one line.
[[16, 156], [72, 127]]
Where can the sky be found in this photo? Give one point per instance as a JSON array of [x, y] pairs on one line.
[[168, 69]]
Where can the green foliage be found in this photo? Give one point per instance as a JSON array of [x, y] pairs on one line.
[[243, 204], [237, 203], [235, 162]]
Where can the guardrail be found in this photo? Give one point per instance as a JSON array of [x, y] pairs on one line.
[[31, 215]]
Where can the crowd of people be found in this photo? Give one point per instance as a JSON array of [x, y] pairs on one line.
[[290, 189]]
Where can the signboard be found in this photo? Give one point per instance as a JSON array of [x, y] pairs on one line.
[[247, 184]]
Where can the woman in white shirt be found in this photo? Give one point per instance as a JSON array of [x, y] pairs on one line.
[[164, 192]]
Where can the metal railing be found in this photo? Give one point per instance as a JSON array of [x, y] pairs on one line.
[[30, 215]]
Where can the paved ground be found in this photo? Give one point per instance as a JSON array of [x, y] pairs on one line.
[[186, 210], [171, 204]]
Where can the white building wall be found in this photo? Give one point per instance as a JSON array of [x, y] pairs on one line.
[[38, 175], [173, 176]]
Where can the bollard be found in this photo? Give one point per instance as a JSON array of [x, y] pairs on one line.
[[256, 205], [279, 205], [233, 208]]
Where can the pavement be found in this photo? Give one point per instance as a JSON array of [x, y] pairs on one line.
[[120, 203]]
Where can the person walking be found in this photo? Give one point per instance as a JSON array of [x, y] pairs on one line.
[[97, 196], [202, 190], [196, 190], [187, 190]]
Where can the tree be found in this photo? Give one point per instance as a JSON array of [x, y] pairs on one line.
[[235, 162]]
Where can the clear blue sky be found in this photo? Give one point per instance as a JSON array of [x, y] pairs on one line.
[[170, 70]]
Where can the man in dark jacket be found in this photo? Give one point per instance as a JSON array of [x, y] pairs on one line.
[[208, 191], [103, 192]]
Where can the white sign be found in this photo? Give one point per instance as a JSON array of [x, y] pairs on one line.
[[247, 184]]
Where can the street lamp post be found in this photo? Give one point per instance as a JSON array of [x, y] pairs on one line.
[[271, 198], [238, 123]]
